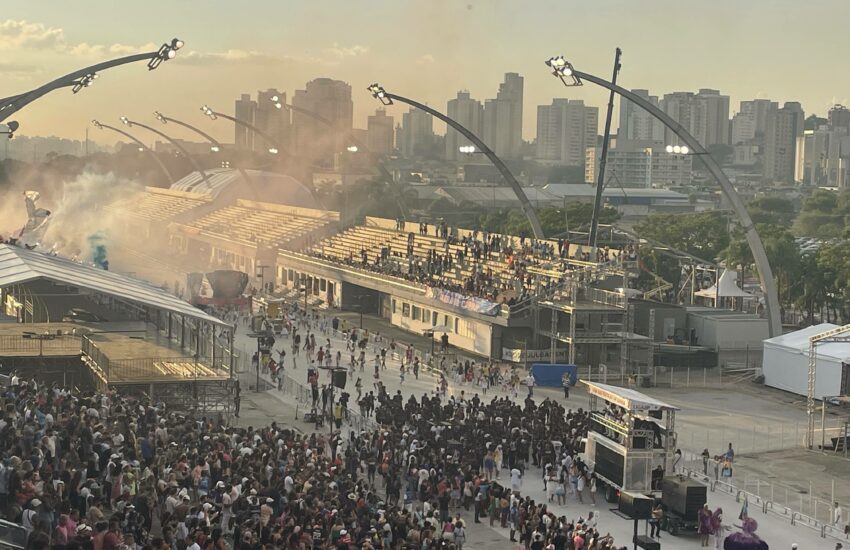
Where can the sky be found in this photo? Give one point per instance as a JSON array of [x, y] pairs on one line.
[[424, 49]]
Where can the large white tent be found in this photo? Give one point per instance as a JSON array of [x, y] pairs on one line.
[[786, 362]]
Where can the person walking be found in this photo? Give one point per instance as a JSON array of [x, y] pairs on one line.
[[529, 382], [566, 382]]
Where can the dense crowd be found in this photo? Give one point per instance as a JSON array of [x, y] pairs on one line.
[[511, 283], [104, 471]]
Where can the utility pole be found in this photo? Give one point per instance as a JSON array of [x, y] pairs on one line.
[[600, 179]]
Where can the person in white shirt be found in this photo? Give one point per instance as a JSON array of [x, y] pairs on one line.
[[516, 480]]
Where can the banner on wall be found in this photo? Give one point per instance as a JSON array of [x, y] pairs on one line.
[[478, 305], [516, 355]]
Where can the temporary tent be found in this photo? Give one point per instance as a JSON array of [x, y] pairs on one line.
[[728, 287], [786, 362]]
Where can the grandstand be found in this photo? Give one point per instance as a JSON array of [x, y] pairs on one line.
[[489, 292], [247, 235], [144, 213]]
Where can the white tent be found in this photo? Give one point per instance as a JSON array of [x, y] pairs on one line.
[[786, 362], [728, 287]]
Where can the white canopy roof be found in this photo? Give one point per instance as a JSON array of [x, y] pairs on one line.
[[728, 287], [798, 342], [19, 265], [629, 399]]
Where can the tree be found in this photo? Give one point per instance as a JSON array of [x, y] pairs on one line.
[[772, 210], [702, 235], [820, 216]]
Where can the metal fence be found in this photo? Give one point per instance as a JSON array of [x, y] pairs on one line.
[[797, 507], [40, 344]]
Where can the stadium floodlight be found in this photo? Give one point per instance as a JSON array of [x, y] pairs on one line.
[[141, 149], [84, 82], [273, 150], [160, 117], [564, 70], [677, 149], [351, 148], [97, 124], [380, 94], [209, 112], [165, 52], [467, 149], [126, 121], [215, 148]]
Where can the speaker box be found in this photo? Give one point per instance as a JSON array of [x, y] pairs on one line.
[[340, 378], [635, 506], [642, 541]]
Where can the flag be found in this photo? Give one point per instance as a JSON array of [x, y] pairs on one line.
[[743, 515]]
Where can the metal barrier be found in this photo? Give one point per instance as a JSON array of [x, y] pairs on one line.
[[39, 344], [769, 501]]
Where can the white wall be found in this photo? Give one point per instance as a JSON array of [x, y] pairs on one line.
[[788, 369], [473, 336]]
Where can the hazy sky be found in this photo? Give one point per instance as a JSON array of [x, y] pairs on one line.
[[424, 49]]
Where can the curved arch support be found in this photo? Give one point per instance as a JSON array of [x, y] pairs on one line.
[[177, 145], [766, 279], [141, 144], [525, 204]]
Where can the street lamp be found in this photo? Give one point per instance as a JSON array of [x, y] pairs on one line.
[[387, 98], [141, 146], [756, 246]]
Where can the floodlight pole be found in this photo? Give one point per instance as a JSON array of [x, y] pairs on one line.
[[525, 204], [138, 142], [12, 104], [606, 137], [176, 145], [765, 273], [275, 143]]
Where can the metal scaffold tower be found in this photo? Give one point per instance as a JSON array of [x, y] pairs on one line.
[[838, 334]]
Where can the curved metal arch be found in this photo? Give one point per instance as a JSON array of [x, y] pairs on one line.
[[309, 186], [141, 144], [22, 100], [525, 204], [177, 145], [756, 246], [244, 173]]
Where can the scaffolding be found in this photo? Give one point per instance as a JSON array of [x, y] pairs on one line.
[[838, 334]]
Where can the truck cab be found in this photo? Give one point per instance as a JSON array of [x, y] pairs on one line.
[[631, 440]]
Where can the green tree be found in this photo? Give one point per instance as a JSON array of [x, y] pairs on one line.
[[820, 216], [772, 210], [702, 235]]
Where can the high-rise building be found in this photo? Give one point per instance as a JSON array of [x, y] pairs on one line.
[[750, 122], [565, 130], [678, 106], [470, 114], [244, 110], [839, 117], [271, 120], [331, 100], [784, 126], [710, 117], [637, 123], [641, 163], [704, 114], [823, 156], [380, 133], [503, 118], [416, 133]]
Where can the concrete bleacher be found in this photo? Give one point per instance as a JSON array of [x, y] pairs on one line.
[[379, 233], [154, 204], [254, 222]]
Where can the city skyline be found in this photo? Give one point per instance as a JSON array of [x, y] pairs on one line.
[[430, 65]]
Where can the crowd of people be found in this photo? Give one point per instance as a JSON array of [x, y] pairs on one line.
[[477, 254]]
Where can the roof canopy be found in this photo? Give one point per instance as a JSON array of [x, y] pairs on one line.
[[798, 342], [627, 398], [19, 265]]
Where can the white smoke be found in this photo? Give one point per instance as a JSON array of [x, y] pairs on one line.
[[78, 221]]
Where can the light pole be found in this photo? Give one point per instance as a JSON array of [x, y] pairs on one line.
[[355, 146], [274, 146], [142, 147], [130, 123], [387, 98], [564, 71], [82, 78], [215, 146]]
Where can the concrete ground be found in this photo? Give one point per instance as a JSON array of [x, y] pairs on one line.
[[725, 414]]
